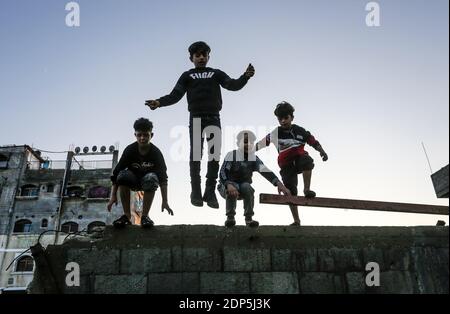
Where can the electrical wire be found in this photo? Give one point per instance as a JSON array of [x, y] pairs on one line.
[[17, 258], [51, 152]]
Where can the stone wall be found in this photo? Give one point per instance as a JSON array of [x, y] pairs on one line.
[[269, 259]]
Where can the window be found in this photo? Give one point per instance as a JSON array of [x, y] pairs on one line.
[[50, 188], [25, 263], [3, 161], [75, 191], [44, 223], [95, 224], [22, 226], [69, 227], [29, 190], [98, 192]]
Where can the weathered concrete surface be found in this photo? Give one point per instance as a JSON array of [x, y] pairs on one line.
[[440, 182], [269, 259]]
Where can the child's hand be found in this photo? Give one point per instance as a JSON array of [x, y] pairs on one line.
[[324, 156], [153, 104], [232, 191], [166, 206], [250, 71], [283, 189], [112, 201]]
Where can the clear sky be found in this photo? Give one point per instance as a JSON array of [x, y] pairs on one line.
[[370, 95]]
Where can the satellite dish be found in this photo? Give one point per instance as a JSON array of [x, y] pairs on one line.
[[103, 149], [94, 148], [77, 150], [111, 149], [85, 149]]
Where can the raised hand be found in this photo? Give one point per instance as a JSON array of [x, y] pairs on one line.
[[250, 71], [153, 104]]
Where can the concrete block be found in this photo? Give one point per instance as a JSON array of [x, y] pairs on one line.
[[174, 283], [86, 286], [347, 259], [190, 259], [120, 284], [246, 259], [224, 283], [374, 255], [398, 282], [149, 260], [432, 269], [317, 283], [397, 258], [274, 283], [325, 260], [356, 282], [100, 262], [294, 260]]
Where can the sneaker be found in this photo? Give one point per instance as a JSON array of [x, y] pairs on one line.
[[251, 223], [121, 222], [210, 197], [295, 224], [146, 222], [309, 194], [230, 222]]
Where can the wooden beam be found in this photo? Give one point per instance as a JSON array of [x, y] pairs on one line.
[[352, 204]]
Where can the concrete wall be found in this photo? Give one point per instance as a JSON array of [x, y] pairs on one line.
[[269, 259]]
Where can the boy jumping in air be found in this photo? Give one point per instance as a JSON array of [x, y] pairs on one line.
[[202, 85], [290, 140]]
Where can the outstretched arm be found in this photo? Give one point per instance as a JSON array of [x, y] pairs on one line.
[[271, 177], [177, 93], [235, 85], [316, 145], [263, 142]]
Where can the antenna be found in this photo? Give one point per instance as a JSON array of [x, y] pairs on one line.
[[426, 155]]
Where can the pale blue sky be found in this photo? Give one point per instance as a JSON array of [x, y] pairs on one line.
[[370, 95]]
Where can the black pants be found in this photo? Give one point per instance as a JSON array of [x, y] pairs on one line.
[[297, 166], [201, 127]]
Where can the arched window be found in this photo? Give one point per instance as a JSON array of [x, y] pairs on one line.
[[69, 227], [50, 188], [25, 263], [44, 223], [95, 224], [75, 191], [98, 192], [23, 225], [29, 190]]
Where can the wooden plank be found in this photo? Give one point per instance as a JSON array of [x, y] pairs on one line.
[[353, 204]]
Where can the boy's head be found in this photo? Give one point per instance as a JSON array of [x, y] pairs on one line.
[[143, 131], [285, 114], [246, 141], [199, 54]]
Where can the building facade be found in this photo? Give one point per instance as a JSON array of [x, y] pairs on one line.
[[37, 197]]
